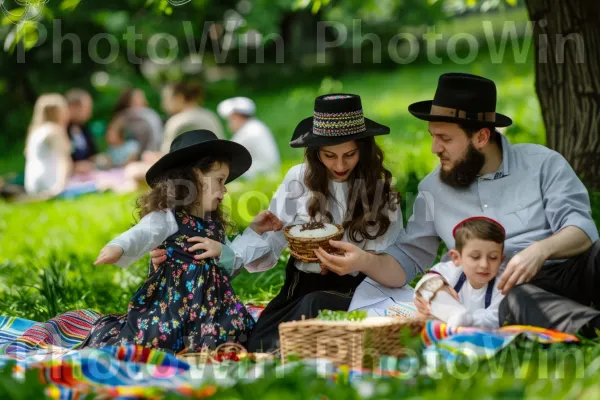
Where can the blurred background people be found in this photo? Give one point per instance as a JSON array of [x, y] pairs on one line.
[[83, 148], [183, 102], [252, 134], [48, 163], [121, 149], [140, 121]]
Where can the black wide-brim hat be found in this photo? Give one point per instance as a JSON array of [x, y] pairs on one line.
[[337, 118], [190, 146], [462, 99]]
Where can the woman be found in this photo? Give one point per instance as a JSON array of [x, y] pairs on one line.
[[344, 167], [47, 148], [181, 101]]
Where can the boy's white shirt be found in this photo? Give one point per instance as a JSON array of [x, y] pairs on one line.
[[157, 226], [472, 299]]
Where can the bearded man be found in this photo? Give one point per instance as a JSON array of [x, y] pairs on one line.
[[552, 248]]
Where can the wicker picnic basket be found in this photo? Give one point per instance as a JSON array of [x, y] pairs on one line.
[[358, 344], [303, 248]]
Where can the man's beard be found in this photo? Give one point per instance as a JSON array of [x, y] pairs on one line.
[[463, 174]]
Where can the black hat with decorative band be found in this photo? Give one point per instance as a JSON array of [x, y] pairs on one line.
[[462, 99], [337, 118], [190, 146]]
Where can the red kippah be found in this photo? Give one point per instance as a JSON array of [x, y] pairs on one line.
[[476, 218]]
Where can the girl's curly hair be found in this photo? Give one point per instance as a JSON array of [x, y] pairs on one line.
[[181, 188]]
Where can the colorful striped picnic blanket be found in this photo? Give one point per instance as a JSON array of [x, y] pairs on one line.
[[483, 344], [132, 371]]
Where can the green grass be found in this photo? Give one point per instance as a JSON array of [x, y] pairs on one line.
[[47, 249]]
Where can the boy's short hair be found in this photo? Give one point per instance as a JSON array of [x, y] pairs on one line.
[[481, 228]]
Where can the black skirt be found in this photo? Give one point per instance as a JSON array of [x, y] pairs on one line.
[[302, 294]]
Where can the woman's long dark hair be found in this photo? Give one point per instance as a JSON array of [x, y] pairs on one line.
[[370, 192], [180, 188]]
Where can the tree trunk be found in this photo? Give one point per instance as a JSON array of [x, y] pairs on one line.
[[567, 42]]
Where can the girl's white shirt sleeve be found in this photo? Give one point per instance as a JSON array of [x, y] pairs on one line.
[[146, 235], [287, 204], [250, 247], [156, 227]]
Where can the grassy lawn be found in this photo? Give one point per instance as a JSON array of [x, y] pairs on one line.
[[47, 250]]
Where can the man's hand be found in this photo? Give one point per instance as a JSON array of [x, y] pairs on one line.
[[522, 267], [352, 261], [265, 221], [109, 255], [211, 247]]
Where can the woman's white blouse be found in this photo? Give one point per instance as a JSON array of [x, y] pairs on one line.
[[289, 204]]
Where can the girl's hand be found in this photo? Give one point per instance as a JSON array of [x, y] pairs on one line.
[[109, 255], [211, 247], [265, 221]]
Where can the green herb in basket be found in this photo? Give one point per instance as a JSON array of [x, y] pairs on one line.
[[330, 315]]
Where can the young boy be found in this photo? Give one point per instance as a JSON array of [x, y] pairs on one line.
[[463, 292]]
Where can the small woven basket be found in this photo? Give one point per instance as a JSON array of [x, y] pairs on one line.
[[303, 248], [230, 351], [358, 344]]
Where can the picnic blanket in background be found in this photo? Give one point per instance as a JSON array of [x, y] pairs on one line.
[[483, 344], [132, 371]]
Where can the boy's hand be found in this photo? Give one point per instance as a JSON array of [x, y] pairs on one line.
[[265, 221], [211, 247], [423, 306], [109, 255]]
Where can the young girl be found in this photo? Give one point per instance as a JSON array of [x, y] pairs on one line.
[[187, 303]]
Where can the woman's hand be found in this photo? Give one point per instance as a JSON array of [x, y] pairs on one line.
[[350, 262], [211, 247], [265, 221], [158, 257], [109, 255]]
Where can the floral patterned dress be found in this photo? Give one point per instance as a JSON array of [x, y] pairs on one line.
[[184, 304]]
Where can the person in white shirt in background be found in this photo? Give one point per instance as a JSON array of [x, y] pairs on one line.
[[251, 133], [48, 163], [463, 292]]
